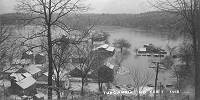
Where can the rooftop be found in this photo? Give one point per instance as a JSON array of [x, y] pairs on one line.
[[32, 69], [142, 49], [27, 82], [17, 76]]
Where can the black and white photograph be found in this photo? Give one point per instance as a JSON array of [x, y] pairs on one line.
[[99, 49]]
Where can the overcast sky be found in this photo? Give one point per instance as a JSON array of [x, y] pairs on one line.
[[97, 6]]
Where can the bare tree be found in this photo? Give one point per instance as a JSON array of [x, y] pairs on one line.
[[104, 75], [85, 58], [9, 50], [61, 58], [49, 14], [122, 44], [9, 47], [189, 11], [64, 49], [182, 72], [140, 79], [185, 71], [118, 60], [4, 36], [172, 50], [90, 60]]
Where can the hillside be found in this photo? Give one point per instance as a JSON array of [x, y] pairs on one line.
[[161, 21], [148, 21]]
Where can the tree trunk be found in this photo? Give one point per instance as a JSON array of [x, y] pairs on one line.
[[100, 86], [157, 68], [178, 81], [48, 24], [101, 90], [82, 85], [58, 94], [123, 97], [101, 97], [138, 94], [50, 64], [121, 49], [58, 86], [178, 85]]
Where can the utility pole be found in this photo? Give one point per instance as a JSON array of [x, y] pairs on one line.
[[156, 79], [157, 70]]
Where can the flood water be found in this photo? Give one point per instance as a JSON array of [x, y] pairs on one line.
[[137, 38]]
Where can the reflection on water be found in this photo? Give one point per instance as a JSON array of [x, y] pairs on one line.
[[137, 40]]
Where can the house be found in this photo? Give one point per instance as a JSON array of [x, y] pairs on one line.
[[21, 62], [22, 84], [8, 70], [42, 81], [34, 70], [91, 85], [75, 73], [42, 85], [28, 55], [109, 50], [141, 50], [149, 50], [111, 66], [23, 80], [40, 58], [26, 82], [103, 46], [17, 76], [39, 96], [12, 69], [31, 70], [21, 70], [98, 36], [78, 60]]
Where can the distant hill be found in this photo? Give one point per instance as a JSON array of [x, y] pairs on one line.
[[149, 21], [12, 18]]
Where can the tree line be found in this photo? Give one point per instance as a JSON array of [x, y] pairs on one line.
[[157, 20]]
